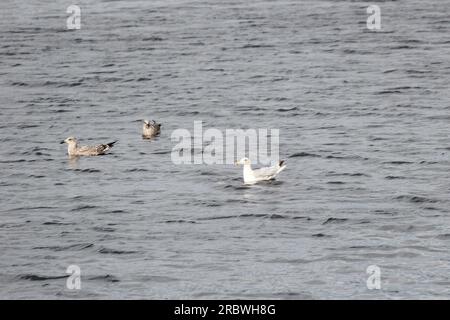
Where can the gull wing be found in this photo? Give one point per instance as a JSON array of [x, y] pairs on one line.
[[102, 148], [268, 173], [95, 150], [265, 173]]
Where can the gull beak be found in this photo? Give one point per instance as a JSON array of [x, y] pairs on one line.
[[62, 142], [236, 163]]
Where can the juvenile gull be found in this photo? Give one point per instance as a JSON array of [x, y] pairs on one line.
[[150, 129], [74, 150], [263, 174]]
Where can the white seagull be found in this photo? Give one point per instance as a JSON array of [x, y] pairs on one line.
[[263, 174], [74, 150]]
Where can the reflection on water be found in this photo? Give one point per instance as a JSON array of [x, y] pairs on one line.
[[73, 162]]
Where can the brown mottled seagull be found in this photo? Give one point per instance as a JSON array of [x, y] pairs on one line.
[[74, 150], [150, 129]]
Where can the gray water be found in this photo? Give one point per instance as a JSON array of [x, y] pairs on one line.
[[364, 128]]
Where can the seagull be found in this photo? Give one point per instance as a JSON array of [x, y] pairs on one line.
[[263, 174], [74, 150], [150, 129]]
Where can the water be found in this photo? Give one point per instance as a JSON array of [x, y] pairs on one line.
[[364, 126]]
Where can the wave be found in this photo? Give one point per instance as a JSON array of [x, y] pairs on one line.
[[335, 220], [35, 277], [416, 199], [115, 251]]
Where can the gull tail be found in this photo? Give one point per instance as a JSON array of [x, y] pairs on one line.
[[281, 166], [111, 144]]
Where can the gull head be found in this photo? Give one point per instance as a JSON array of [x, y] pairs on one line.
[[70, 140], [244, 161], [147, 124]]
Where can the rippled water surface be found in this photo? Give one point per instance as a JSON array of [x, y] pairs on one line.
[[364, 126]]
